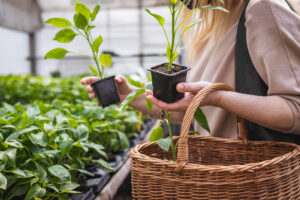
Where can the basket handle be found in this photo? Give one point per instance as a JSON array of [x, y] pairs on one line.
[[183, 151]]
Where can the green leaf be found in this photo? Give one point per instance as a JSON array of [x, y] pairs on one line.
[[65, 36], [60, 172], [174, 2], [82, 132], [157, 134], [3, 182], [165, 143], [86, 172], [201, 119], [69, 186], [59, 22], [36, 191], [95, 12], [9, 107], [90, 28], [65, 143], [131, 97], [42, 174], [57, 53], [33, 111], [19, 172], [39, 138], [92, 68], [96, 44], [83, 10], [105, 59], [10, 154], [123, 140], [80, 21], [4, 121], [14, 143], [61, 118], [214, 8], [104, 165], [159, 18], [19, 191], [149, 105]]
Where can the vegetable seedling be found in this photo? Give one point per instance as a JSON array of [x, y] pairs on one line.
[[105, 89], [166, 76]]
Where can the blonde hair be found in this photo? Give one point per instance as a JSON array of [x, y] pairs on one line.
[[214, 24]]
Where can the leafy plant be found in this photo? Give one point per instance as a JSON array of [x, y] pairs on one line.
[[83, 19], [173, 41]]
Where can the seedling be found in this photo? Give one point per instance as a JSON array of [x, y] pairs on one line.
[[177, 28], [83, 19]]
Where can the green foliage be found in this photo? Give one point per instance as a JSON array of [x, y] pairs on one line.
[[156, 134], [45, 145], [200, 118], [82, 20], [173, 41]]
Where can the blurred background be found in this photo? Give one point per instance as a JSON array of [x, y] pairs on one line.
[[133, 37]]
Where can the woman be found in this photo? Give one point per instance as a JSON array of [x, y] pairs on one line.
[[272, 38]]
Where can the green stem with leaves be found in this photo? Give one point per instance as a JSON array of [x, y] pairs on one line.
[[171, 135], [173, 37]]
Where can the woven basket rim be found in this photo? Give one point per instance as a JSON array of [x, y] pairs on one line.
[[135, 153]]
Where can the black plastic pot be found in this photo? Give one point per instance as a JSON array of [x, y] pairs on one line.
[[106, 91], [164, 85]]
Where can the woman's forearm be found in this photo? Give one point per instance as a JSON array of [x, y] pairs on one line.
[[270, 111]]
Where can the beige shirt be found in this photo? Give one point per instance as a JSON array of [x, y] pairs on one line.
[[273, 38]]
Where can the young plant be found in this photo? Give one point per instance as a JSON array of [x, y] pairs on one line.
[[173, 41], [83, 19]]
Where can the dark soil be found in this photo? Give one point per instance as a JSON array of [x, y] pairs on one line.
[[165, 70]]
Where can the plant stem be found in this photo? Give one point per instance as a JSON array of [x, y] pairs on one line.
[[94, 55], [171, 135], [173, 37]]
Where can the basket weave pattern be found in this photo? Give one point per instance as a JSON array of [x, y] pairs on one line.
[[215, 168]]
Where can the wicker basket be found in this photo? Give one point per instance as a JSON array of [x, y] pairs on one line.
[[215, 168]]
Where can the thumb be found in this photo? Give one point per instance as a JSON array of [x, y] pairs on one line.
[[89, 80], [120, 79], [191, 87]]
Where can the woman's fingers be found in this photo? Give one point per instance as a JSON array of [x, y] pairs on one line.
[[192, 87], [178, 106], [89, 80], [89, 89], [120, 79]]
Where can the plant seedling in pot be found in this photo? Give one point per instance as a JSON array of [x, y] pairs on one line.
[[105, 89], [166, 76]]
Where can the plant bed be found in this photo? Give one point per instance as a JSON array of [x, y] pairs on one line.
[[89, 195], [164, 81], [106, 91]]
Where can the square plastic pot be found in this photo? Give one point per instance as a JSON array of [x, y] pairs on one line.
[[164, 85], [106, 91]]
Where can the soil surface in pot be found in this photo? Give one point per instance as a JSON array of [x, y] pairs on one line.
[[165, 70]]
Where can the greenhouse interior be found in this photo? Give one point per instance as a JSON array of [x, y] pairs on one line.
[[88, 112]]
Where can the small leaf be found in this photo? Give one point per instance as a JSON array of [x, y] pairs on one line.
[[86, 172], [165, 143], [33, 111], [35, 192], [57, 53], [149, 105], [104, 165], [3, 182], [39, 138], [82, 132], [95, 12], [4, 121], [65, 143], [14, 143], [93, 70], [65, 36], [80, 21], [90, 28], [60, 172], [131, 97], [69, 186], [159, 18], [201, 119], [61, 118], [157, 134], [59, 22], [96, 44], [83, 10], [123, 140], [214, 8], [42, 174], [11, 155], [105, 59]]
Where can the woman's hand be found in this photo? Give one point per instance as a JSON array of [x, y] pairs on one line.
[[189, 90], [123, 87]]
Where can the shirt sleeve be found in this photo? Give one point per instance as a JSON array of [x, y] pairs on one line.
[[273, 38]]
